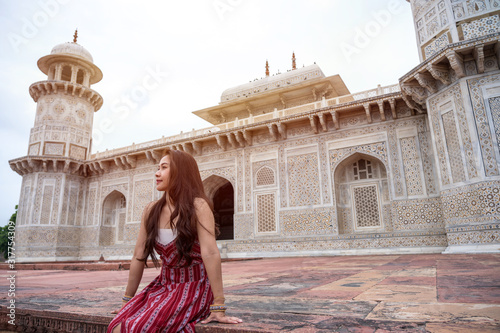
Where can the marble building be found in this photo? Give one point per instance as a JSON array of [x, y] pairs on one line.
[[295, 163]]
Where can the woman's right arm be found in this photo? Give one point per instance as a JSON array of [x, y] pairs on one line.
[[137, 266]]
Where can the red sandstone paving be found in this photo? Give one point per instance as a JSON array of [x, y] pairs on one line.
[[409, 280], [285, 294]]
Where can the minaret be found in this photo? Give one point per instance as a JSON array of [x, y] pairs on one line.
[[457, 87], [65, 99], [50, 209]]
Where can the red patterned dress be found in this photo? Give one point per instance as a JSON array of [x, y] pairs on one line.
[[174, 301]]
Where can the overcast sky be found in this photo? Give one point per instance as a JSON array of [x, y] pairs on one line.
[[196, 49]]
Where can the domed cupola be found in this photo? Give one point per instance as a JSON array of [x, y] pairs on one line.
[[70, 62]]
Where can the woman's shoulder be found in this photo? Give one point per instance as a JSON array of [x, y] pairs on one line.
[[150, 206], [200, 203]]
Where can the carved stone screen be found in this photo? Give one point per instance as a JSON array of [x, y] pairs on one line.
[[266, 213], [265, 176], [366, 206]]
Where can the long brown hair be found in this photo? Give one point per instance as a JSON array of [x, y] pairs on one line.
[[184, 186]]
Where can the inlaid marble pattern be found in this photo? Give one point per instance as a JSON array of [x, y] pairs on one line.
[[481, 27], [411, 166], [427, 161], [303, 180], [436, 45], [143, 193], [307, 222], [482, 123], [418, 214], [494, 103], [472, 204], [453, 145]]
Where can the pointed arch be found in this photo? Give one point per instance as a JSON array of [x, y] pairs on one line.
[[265, 176], [221, 192], [112, 228], [362, 194]]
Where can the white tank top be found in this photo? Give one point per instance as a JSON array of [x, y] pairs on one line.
[[166, 236]]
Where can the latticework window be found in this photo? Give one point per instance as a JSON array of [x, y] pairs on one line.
[[362, 169], [265, 176], [366, 206], [266, 213]]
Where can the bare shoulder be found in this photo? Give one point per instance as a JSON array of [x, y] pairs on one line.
[[201, 204], [148, 208]]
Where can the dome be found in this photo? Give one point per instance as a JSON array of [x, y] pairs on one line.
[[292, 77], [72, 49], [73, 53]]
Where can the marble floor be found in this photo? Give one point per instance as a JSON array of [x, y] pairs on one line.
[[380, 293]]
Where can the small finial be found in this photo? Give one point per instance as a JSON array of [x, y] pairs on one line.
[[267, 68], [294, 65], [75, 36]]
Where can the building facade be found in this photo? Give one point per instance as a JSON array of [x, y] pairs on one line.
[[294, 163]]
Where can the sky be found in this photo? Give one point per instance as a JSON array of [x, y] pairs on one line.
[[194, 50]]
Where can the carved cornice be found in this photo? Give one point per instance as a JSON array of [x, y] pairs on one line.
[[478, 53], [313, 120], [322, 121], [466, 46], [412, 105], [368, 114], [43, 88], [427, 81], [30, 164], [335, 119], [392, 102], [439, 72], [456, 63], [417, 92], [434, 74]]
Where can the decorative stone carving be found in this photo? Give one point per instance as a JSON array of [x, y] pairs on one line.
[[478, 53], [456, 62], [426, 81], [368, 113], [439, 73]]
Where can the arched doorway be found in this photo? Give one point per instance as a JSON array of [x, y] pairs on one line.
[[112, 228], [362, 195], [221, 192]]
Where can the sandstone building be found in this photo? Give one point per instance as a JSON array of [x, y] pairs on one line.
[[295, 163]]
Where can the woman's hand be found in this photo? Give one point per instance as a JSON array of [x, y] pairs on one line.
[[116, 311], [221, 318]]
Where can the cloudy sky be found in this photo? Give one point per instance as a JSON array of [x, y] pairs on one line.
[[196, 49]]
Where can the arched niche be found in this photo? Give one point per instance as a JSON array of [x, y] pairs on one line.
[[362, 195], [221, 192], [112, 229]]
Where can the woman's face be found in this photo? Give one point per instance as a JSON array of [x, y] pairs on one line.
[[163, 173]]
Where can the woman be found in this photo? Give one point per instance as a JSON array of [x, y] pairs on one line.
[[181, 228]]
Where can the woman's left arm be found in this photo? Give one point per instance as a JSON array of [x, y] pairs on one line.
[[211, 259]]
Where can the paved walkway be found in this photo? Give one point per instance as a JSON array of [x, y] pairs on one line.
[[383, 293]]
